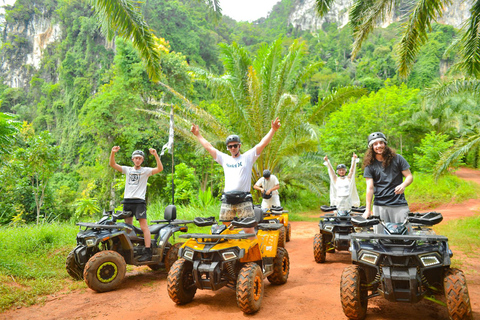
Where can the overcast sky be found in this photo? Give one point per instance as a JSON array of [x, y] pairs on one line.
[[246, 10]]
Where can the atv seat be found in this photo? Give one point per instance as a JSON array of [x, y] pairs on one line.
[[358, 209]]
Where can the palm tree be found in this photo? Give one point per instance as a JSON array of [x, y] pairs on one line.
[[125, 19], [250, 94], [452, 107], [366, 14]]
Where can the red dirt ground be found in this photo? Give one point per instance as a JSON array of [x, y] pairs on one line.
[[312, 290]]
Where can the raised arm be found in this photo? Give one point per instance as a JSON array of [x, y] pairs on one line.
[[207, 145], [353, 166], [330, 169], [112, 162], [268, 137], [159, 167]]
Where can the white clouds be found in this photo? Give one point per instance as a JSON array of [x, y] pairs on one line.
[[247, 10]]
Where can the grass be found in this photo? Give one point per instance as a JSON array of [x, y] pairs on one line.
[[426, 192], [464, 235]]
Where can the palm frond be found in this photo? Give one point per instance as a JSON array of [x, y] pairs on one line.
[[470, 43], [323, 6], [415, 34], [462, 147], [125, 18], [364, 15]]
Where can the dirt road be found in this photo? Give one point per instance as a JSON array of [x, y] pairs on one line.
[[312, 290]]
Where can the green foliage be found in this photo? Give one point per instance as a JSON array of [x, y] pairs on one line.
[[430, 151], [347, 129], [186, 184], [8, 129]]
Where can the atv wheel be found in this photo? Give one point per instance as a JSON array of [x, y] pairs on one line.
[[250, 288], [353, 293], [289, 232], [105, 271], [172, 256], [73, 269], [456, 294], [281, 237], [180, 284], [319, 248], [281, 267]]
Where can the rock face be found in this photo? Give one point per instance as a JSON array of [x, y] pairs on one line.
[[304, 15], [24, 42]]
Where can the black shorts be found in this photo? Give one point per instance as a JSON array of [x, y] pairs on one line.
[[139, 210]]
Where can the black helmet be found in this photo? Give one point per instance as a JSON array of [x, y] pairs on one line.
[[138, 153], [266, 173], [342, 166], [232, 138], [376, 136]]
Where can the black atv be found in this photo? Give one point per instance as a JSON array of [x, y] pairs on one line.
[[408, 262], [106, 247], [335, 230]]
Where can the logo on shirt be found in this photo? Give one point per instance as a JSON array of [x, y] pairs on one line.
[[237, 165], [134, 179]]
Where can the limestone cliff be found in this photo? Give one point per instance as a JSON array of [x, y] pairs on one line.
[[303, 15]]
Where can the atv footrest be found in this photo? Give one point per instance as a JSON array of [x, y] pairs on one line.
[[269, 226]]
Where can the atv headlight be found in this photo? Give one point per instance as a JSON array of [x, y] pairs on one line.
[[188, 254], [369, 258], [429, 260], [90, 242], [229, 255], [329, 228]]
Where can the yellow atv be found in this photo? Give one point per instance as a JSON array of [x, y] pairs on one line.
[[228, 257], [279, 215]]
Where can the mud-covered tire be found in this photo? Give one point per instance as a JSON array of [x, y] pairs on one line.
[[281, 267], [180, 283], [289, 232], [353, 293], [250, 288], [319, 248], [172, 256], [105, 271], [281, 238], [456, 294], [73, 269]]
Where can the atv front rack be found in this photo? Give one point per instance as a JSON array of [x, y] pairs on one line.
[[216, 238], [100, 226], [377, 236]]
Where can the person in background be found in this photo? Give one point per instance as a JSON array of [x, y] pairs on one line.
[[268, 185]]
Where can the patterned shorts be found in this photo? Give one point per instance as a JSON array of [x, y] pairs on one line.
[[241, 210]]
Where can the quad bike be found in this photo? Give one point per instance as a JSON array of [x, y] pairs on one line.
[[278, 215], [106, 247], [335, 230], [407, 263], [228, 257]]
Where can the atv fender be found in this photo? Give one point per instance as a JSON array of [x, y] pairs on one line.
[[252, 254]]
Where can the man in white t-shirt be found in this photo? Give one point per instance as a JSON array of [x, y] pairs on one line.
[[268, 185], [135, 190], [237, 169]]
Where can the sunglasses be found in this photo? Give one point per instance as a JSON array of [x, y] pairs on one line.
[[231, 146]]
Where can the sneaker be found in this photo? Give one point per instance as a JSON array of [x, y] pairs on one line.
[[146, 256]]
